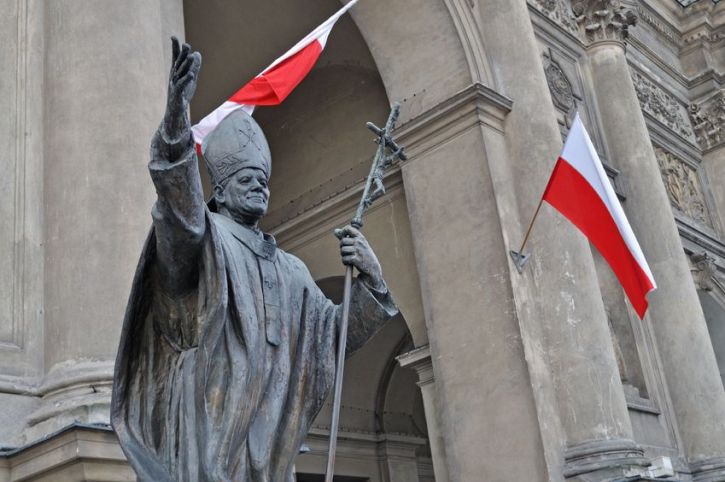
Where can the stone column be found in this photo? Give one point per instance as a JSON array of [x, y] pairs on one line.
[[419, 360], [105, 86], [687, 355], [527, 355], [558, 303]]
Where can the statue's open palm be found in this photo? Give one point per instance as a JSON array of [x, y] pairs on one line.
[[183, 77]]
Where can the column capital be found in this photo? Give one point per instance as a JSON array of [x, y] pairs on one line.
[[420, 361], [603, 20]]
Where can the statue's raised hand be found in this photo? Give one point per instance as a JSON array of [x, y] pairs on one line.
[[185, 65]]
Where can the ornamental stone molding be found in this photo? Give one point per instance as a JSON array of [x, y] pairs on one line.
[[703, 270], [708, 120], [662, 106], [683, 186], [646, 15], [559, 11], [601, 20], [560, 86]]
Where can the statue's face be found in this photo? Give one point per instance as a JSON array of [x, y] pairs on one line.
[[245, 194]]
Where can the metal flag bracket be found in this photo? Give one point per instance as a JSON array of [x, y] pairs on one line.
[[520, 260]]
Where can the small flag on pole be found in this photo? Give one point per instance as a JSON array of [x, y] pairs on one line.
[[580, 190], [275, 82]]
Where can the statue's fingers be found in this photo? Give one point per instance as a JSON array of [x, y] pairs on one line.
[[183, 82], [348, 250], [174, 49], [350, 260], [182, 56], [347, 242], [196, 63], [349, 231], [183, 68]]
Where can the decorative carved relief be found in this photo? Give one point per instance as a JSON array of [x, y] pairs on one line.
[[560, 87], [708, 120], [559, 11], [662, 106], [683, 186], [703, 270], [603, 19]]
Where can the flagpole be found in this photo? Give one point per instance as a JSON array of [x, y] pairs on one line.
[[519, 257], [531, 225]]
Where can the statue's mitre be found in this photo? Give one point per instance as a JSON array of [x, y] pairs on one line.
[[236, 143]]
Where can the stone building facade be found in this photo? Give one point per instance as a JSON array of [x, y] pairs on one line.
[[488, 375]]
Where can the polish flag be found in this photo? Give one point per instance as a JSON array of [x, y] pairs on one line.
[[580, 190], [276, 82]]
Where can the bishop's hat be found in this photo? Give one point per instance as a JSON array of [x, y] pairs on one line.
[[236, 143]]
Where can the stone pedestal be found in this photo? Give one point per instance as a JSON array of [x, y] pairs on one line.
[[687, 356], [76, 453], [104, 95]]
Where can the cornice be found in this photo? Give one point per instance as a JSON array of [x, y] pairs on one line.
[[647, 14], [475, 105]]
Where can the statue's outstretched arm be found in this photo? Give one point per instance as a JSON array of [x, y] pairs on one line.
[[178, 214]]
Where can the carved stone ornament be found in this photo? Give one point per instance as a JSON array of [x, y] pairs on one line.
[[560, 87], [662, 106], [708, 120], [559, 11], [703, 270], [603, 19], [683, 186]]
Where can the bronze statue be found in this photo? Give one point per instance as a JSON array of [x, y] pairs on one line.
[[228, 346]]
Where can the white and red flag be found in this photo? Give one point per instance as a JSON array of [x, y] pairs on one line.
[[580, 190], [275, 82]]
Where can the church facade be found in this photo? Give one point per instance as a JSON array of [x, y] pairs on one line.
[[487, 374]]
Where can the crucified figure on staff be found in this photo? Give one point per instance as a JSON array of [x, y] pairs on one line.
[[228, 347]]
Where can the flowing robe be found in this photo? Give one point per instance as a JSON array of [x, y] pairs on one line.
[[227, 351]]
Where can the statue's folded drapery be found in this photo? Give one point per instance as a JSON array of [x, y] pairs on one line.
[[220, 381]]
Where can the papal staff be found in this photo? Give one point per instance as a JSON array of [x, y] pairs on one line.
[[387, 152]]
